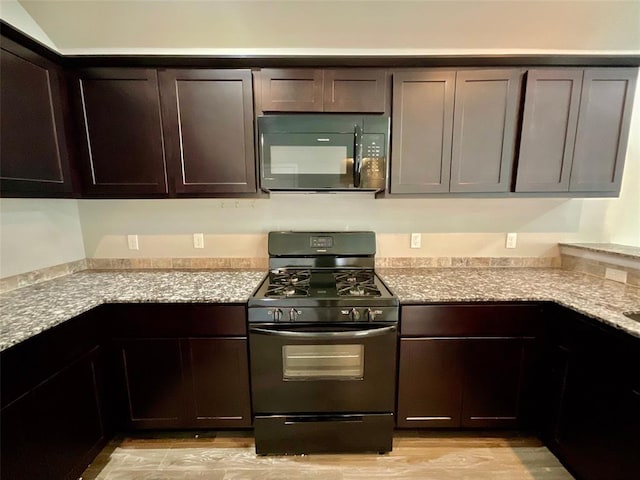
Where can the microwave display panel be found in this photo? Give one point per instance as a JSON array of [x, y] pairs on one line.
[[313, 160]]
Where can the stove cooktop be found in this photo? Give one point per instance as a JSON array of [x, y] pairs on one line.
[[323, 295], [322, 277]]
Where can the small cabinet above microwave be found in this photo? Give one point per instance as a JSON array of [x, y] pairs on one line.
[[355, 90]]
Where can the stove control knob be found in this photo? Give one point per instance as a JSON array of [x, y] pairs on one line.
[[371, 314], [277, 315], [294, 314], [354, 314]]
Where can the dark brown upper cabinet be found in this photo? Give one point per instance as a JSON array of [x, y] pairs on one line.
[[603, 129], [454, 131], [34, 160], [359, 90], [422, 130], [485, 124], [575, 129], [208, 131], [120, 132], [548, 130]]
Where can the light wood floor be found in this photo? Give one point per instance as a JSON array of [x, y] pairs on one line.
[[416, 455]]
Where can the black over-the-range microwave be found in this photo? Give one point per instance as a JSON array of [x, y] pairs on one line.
[[323, 152]]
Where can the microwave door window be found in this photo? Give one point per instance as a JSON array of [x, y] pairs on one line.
[[296, 160], [305, 161]]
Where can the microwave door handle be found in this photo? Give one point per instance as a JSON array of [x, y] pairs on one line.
[[357, 155]]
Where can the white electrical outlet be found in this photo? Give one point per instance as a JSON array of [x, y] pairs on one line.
[[616, 275], [198, 240], [512, 240], [132, 241], [416, 240]]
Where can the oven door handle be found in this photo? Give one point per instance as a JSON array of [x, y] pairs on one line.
[[326, 335]]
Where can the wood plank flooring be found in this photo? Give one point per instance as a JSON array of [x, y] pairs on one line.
[[416, 455]]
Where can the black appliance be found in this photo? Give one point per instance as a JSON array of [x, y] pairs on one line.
[[323, 152], [322, 342]]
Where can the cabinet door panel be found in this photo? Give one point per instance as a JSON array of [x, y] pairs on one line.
[[208, 123], [152, 374], [494, 377], [291, 90], [21, 457], [355, 90], [422, 131], [219, 382], [33, 144], [603, 129], [484, 133], [548, 130], [72, 421], [122, 147], [430, 382]]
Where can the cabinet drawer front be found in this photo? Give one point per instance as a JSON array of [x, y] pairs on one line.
[[176, 320], [470, 320]]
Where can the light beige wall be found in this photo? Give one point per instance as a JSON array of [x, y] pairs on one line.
[[13, 13], [373, 27], [624, 220], [237, 228], [38, 233]]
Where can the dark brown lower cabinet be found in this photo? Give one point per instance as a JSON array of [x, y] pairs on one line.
[[592, 404], [217, 382], [430, 382], [55, 430], [151, 372], [181, 366], [470, 366]]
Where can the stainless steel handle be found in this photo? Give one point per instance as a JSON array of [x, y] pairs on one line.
[[325, 335], [357, 155], [423, 419]]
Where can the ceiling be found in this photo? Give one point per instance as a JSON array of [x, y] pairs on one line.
[[311, 26]]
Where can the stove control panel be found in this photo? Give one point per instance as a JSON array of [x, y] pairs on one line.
[[323, 314]]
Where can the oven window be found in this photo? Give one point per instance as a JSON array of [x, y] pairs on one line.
[[316, 160], [317, 362]]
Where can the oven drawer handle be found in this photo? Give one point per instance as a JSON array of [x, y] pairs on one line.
[[315, 335]]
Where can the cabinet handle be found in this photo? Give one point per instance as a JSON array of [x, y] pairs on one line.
[[420, 419]]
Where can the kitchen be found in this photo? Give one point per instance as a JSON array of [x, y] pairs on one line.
[[43, 233]]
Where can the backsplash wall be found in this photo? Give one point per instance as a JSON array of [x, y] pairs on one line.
[[238, 228]]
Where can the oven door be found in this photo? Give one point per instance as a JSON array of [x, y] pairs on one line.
[[305, 368]]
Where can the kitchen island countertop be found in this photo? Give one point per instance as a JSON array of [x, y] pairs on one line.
[[30, 310]]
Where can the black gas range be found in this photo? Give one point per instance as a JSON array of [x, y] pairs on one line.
[[322, 343], [322, 277]]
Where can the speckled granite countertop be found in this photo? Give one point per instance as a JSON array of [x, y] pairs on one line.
[[610, 248], [603, 300], [31, 310]]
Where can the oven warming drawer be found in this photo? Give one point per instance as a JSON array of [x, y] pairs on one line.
[[298, 434]]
